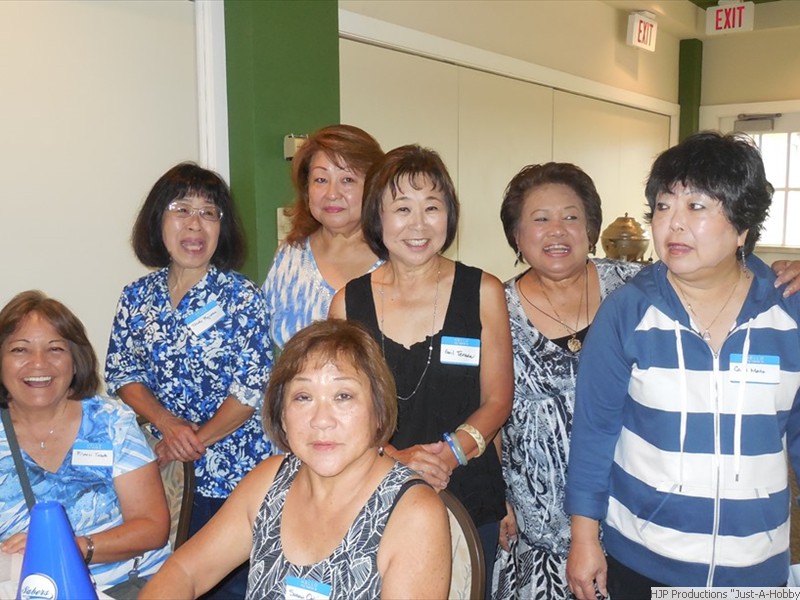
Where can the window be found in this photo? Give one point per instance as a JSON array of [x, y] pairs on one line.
[[781, 154]]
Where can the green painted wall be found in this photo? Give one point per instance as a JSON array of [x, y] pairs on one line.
[[690, 76], [283, 77]]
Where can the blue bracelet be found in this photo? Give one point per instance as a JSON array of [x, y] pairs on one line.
[[455, 446]]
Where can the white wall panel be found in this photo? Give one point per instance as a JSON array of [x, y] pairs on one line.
[[504, 124], [98, 100], [614, 144]]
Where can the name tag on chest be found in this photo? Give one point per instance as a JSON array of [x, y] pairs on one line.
[[92, 455], [460, 351], [199, 322], [306, 589], [761, 368]]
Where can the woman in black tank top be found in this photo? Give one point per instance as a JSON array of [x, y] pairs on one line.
[[444, 330]]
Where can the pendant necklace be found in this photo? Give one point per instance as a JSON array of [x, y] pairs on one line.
[[574, 344], [43, 443], [430, 343], [706, 330]]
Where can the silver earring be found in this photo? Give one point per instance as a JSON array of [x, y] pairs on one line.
[[519, 257]]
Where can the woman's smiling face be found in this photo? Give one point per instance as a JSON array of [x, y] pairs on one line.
[[37, 366]]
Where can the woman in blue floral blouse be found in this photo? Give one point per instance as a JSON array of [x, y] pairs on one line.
[[189, 347]]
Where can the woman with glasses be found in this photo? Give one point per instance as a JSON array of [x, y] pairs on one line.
[[189, 348]]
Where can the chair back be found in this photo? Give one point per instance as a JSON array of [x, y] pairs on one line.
[[469, 571], [178, 480]]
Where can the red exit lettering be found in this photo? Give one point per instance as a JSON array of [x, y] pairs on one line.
[[729, 18], [644, 33]]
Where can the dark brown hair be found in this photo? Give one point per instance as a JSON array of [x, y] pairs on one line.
[[188, 179], [85, 381], [533, 176], [337, 341], [347, 147], [419, 166]]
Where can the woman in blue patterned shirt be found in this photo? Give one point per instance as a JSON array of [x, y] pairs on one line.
[[189, 348], [78, 448], [325, 247]]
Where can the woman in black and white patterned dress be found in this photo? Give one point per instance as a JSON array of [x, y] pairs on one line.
[[551, 215], [333, 518]]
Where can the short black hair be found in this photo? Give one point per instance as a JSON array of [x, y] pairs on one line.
[[727, 168], [188, 179]]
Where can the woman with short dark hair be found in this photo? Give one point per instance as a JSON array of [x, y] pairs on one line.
[[189, 347], [443, 328], [686, 408]]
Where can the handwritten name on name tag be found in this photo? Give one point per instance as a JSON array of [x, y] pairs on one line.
[[85, 454], [761, 368], [199, 322], [460, 351]]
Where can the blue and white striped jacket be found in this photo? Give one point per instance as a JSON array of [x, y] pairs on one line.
[[683, 453]]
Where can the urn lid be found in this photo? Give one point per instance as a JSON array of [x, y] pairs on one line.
[[625, 228]]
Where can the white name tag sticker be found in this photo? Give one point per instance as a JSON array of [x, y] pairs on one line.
[[761, 368], [200, 321], [460, 351], [85, 454], [306, 589]]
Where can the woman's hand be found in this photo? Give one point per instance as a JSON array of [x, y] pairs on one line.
[[788, 272], [508, 528], [586, 563], [180, 441], [429, 461], [15, 544]]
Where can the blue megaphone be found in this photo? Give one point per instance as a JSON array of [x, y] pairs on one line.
[[52, 566]]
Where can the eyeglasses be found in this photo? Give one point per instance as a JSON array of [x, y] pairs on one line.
[[184, 210]]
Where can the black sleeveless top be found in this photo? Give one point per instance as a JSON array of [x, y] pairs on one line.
[[447, 395]]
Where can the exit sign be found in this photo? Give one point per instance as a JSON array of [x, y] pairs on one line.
[[730, 17], [642, 31]]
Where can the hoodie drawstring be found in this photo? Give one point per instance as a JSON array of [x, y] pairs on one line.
[[684, 398]]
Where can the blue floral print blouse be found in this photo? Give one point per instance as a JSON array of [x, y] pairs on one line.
[[214, 344]]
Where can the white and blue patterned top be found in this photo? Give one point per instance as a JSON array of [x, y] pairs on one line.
[[296, 292], [86, 492], [191, 374]]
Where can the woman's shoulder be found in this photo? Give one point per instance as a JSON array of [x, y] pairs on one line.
[[102, 408], [255, 485], [233, 284], [418, 508]]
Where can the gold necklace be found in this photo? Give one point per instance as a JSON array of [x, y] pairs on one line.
[[433, 331], [706, 330], [574, 344]]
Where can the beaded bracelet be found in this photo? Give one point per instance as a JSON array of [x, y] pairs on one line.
[[455, 446], [475, 435]]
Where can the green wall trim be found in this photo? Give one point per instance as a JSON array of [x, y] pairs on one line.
[[283, 77], [690, 74]]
